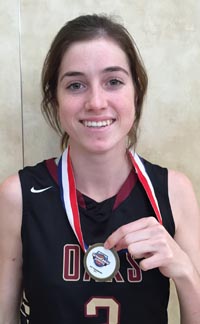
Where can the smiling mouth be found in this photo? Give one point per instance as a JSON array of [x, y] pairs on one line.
[[97, 124]]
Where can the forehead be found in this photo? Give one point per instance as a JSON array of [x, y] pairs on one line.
[[100, 51]]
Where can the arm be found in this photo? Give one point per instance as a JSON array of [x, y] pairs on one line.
[[187, 219], [10, 250]]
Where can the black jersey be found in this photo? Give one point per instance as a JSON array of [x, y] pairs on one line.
[[57, 290]]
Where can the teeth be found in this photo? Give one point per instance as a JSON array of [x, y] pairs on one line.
[[97, 124]]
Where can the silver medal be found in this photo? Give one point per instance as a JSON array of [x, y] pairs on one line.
[[100, 263]]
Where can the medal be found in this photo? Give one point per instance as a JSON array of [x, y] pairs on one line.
[[100, 263]]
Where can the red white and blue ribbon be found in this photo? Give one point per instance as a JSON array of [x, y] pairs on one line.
[[146, 182], [69, 198], [68, 195]]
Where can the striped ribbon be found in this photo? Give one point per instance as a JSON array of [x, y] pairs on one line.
[[69, 198]]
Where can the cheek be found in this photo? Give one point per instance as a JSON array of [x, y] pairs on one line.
[[67, 113], [64, 108], [130, 104], [130, 113], [130, 99], [61, 118], [63, 115]]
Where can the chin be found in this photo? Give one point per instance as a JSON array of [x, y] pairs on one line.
[[100, 148], [97, 149]]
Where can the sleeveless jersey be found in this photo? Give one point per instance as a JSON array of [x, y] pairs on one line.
[[57, 290]]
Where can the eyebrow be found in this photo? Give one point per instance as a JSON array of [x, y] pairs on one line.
[[108, 69], [115, 69], [70, 74]]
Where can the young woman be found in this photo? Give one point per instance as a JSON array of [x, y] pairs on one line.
[[94, 236]]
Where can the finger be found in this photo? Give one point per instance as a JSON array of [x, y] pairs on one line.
[[141, 250], [131, 228], [151, 262], [133, 237]]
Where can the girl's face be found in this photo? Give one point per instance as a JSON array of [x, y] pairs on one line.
[[95, 95]]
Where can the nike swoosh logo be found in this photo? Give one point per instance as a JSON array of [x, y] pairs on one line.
[[33, 190]]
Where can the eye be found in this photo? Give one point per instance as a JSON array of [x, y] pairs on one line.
[[115, 82], [75, 86]]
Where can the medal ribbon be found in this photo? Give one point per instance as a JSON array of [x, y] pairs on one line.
[[69, 198], [146, 182], [68, 195]]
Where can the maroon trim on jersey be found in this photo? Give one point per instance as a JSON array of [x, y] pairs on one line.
[[52, 168], [126, 188], [80, 199], [123, 193]]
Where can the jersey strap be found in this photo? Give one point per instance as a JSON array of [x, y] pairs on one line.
[[68, 191]]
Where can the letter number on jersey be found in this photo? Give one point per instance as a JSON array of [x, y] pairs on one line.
[[71, 262], [108, 303]]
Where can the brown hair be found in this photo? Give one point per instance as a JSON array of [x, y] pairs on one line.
[[85, 28]]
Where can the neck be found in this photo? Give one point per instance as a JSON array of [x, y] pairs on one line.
[[100, 175]]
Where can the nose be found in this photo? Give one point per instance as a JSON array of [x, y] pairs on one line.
[[96, 99]]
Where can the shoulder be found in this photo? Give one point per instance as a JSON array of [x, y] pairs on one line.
[[182, 198], [181, 191], [186, 214], [11, 209], [10, 191], [179, 182]]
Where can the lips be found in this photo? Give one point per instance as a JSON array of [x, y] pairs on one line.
[[97, 124]]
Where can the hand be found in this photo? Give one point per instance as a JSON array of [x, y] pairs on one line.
[[149, 240]]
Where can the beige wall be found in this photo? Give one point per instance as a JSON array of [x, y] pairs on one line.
[[10, 90], [168, 35]]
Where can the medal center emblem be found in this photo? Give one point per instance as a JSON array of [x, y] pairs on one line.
[[100, 259]]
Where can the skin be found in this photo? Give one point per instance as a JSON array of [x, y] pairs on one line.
[[94, 87], [10, 250]]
